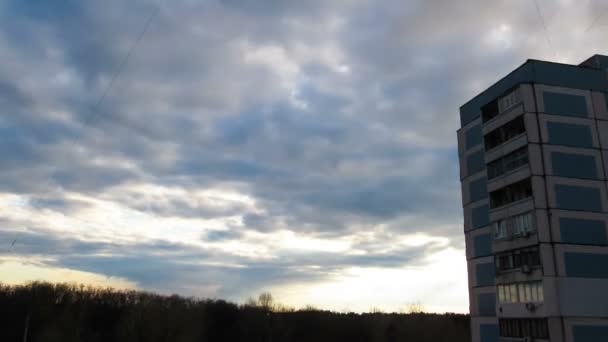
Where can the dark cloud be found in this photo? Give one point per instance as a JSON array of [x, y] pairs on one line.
[[57, 203], [222, 235], [334, 117]]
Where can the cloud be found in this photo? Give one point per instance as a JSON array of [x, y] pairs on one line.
[[250, 143]]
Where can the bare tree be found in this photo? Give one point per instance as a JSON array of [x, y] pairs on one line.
[[265, 300], [415, 307]]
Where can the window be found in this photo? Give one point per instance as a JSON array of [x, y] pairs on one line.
[[511, 193], [505, 133], [513, 293], [508, 163], [522, 224], [509, 100], [518, 225], [501, 294], [507, 293], [518, 258], [530, 292], [526, 257], [500, 229], [504, 262], [526, 327], [489, 111], [499, 105]]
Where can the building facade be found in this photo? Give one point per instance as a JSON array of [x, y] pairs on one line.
[[533, 152]]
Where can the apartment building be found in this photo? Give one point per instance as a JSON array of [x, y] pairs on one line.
[[533, 152]]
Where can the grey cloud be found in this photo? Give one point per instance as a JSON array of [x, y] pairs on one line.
[[287, 157], [190, 208], [58, 203], [370, 144], [222, 235], [183, 266]]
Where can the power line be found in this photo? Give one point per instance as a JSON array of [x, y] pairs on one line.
[[121, 66], [595, 20], [10, 248], [542, 20], [117, 71]]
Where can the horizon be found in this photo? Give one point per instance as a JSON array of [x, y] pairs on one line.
[[223, 149]]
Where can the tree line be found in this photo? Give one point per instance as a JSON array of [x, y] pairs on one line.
[[48, 312]]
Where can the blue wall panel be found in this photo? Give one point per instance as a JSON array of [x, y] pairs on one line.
[[486, 304], [482, 245], [473, 137], [569, 134], [478, 189], [488, 332], [476, 162], [485, 274], [480, 216], [574, 165], [580, 231], [589, 333], [586, 265], [581, 198], [565, 104]]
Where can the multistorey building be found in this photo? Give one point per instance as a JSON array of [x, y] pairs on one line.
[[533, 152]]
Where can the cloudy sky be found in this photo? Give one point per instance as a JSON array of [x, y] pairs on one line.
[[306, 148]]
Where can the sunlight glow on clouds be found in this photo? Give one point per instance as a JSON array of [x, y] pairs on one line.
[[438, 284], [302, 147], [17, 272], [500, 37]]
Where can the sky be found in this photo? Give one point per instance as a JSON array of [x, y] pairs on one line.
[[302, 148]]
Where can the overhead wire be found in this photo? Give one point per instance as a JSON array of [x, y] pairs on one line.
[[116, 73], [595, 19], [126, 58], [544, 24]]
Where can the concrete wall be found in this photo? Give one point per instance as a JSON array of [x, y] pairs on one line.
[[566, 119]]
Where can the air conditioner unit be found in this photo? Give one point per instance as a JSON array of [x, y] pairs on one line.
[[526, 269], [530, 306], [527, 339]]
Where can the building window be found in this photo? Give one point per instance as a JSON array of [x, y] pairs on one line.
[[499, 105], [518, 225], [522, 224], [511, 193], [508, 131], [508, 101], [504, 262], [507, 293], [489, 111], [519, 258], [526, 327], [500, 229], [508, 163], [529, 292]]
